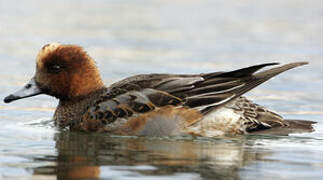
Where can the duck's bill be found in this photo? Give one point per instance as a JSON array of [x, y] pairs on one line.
[[30, 89]]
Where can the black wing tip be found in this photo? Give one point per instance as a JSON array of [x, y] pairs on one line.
[[297, 63], [277, 70], [247, 71], [278, 63], [268, 64], [292, 65]]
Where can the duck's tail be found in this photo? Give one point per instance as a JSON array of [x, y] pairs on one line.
[[294, 127]]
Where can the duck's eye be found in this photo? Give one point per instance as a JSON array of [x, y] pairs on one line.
[[55, 68]]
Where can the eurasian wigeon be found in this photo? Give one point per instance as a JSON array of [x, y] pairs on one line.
[[207, 104]]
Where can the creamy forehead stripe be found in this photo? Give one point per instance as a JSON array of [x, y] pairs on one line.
[[45, 51]]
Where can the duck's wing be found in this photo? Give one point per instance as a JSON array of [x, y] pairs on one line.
[[203, 91]]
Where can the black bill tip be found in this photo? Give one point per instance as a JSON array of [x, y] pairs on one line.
[[10, 98]]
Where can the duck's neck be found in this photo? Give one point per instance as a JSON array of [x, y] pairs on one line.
[[69, 112]]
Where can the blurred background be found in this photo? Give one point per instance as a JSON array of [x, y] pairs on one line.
[[131, 37], [128, 37]]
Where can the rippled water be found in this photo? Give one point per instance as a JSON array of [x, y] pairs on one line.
[[129, 37]]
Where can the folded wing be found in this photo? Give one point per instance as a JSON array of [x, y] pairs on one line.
[[203, 92]]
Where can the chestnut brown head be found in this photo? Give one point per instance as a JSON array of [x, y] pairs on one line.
[[62, 71]]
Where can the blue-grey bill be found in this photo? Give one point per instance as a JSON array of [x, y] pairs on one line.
[[30, 89]]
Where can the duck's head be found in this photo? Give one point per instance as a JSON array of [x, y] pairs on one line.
[[63, 71]]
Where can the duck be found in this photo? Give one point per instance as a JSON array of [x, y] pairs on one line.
[[206, 104]]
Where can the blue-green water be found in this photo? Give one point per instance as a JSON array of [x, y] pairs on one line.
[[129, 37]]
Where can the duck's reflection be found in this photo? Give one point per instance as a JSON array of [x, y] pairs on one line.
[[82, 156]]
